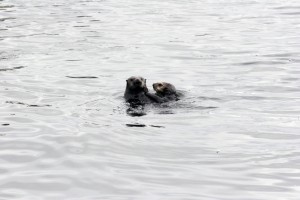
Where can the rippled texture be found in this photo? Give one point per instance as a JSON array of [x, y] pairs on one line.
[[65, 133]]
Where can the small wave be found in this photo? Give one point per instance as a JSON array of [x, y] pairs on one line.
[[291, 13], [286, 7], [260, 63], [6, 18], [11, 69], [87, 77], [25, 104], [5, 7]]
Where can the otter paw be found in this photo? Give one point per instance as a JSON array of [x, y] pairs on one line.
[[146, 90]]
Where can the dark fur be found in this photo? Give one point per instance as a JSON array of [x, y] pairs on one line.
[[166, 91], [136, 90]]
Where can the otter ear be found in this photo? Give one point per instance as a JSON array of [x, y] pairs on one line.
[[145, 80]]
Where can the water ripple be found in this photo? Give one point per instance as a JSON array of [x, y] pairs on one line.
[[66, 132]]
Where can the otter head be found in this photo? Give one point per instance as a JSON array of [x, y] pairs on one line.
[[136, 83], [163, 88]]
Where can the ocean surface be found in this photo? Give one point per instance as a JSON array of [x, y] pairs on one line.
[[66, 133]]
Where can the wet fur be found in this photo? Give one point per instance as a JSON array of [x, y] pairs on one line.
[[166, 91], [135, 91]]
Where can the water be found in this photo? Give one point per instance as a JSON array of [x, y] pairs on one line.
[[65, 133]]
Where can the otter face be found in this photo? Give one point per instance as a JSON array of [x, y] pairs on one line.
[[163, 88], [136, 83]]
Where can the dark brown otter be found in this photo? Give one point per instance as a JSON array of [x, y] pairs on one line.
[[166, 91], [136, 92]]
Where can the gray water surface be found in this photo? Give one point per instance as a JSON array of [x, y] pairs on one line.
[[64, 129]]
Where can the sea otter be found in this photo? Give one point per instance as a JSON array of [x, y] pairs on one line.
[[166, 91], [137, 93]]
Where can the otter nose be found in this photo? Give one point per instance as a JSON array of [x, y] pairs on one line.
[[137, 82]]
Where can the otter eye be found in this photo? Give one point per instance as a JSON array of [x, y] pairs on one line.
[[160, 85]]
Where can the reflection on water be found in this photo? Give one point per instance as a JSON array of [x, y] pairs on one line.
[[66, 132]]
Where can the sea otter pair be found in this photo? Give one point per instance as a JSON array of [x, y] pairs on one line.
[[137, 93]]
